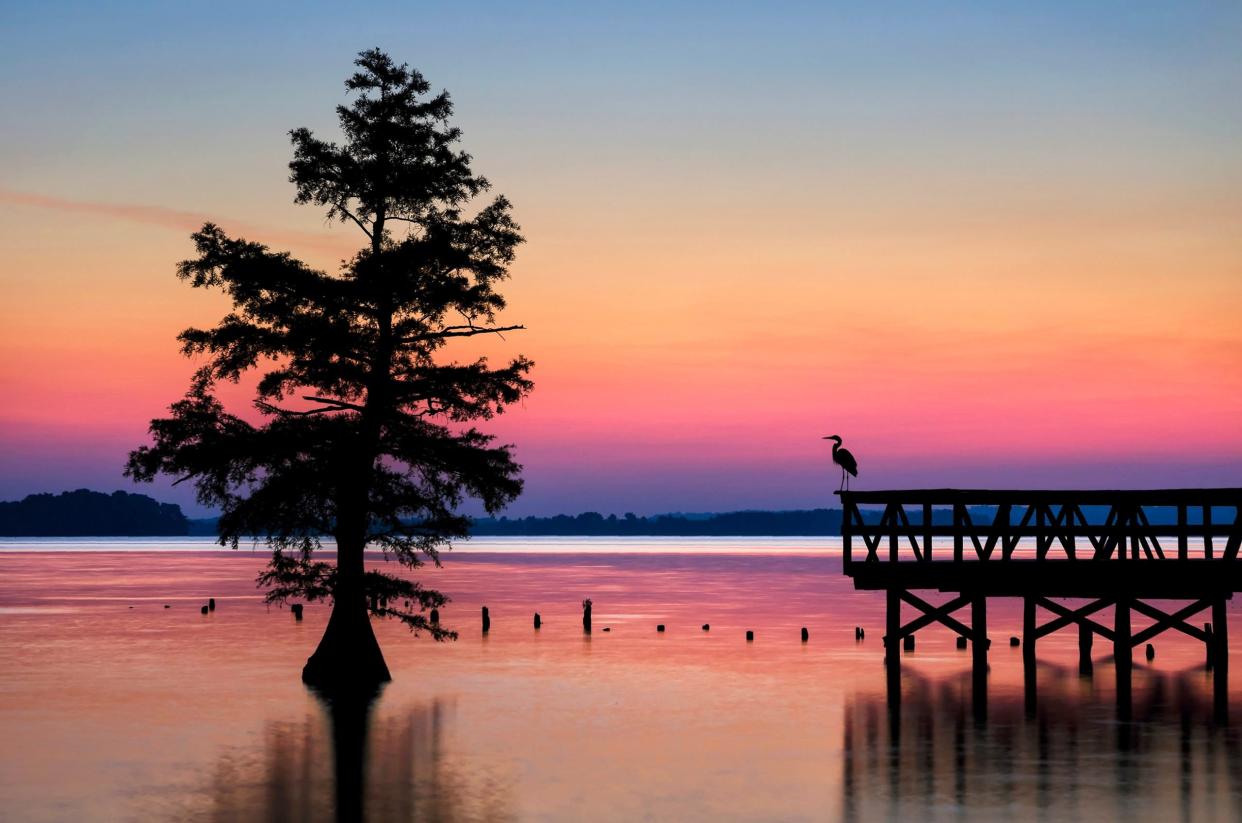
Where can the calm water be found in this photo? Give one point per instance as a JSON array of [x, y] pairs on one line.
[[113, 707]]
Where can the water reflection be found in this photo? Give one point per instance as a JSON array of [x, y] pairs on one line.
[[1067, 755], [353, 761]]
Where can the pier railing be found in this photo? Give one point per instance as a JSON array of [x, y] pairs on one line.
[[922, 525]]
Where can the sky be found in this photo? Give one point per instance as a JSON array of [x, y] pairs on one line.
[[990, 245]]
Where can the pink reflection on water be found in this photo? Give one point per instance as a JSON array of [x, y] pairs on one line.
[[113, 707]]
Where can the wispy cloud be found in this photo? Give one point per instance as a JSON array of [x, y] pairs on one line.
[[182, 221]]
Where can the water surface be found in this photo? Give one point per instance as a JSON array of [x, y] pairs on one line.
[[113, 707]]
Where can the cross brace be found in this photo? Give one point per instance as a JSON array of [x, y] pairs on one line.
[[1068, 616], [935, 614], [1164, 621]]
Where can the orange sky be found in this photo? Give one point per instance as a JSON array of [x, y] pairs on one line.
[[1026, 275]]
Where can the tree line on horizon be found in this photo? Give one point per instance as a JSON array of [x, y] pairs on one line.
[[86, 513]]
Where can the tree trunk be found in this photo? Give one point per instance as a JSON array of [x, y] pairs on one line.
[[348, 658]]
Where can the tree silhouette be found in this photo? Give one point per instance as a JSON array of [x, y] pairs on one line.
[[364, 420]]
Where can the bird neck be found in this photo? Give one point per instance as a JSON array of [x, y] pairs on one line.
[[836, 444]]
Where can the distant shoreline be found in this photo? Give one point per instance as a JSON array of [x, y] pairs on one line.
[[89, 514]]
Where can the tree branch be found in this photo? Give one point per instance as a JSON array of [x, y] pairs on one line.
[[338, 405], [361, 225], [459, 331], [273, 409]]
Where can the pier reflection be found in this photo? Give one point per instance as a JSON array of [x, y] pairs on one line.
[[946, 750]]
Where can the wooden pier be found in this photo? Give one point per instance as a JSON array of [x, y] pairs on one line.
[[1115, 550]]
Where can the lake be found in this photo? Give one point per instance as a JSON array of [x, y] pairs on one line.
[[113, 707]]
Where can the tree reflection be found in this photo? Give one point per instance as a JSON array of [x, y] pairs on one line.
[[353, 761]]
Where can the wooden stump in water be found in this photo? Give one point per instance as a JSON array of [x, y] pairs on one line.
[[211, 603], [707, 627], [750, 635], [586, 615], [435, 617], [538, 621], [204, 610], [487, 620], [961, 642], [660, 627], [806, 635], [907, 642], [296, 608]]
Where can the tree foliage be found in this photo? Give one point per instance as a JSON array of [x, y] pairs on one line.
[[365, 422]]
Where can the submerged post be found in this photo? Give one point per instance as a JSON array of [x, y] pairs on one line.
[[1220, 672], [1123, 654], [1028, 651], [1210, 645], [892, 647], [1085, 638], [892, 626], [979, 653]]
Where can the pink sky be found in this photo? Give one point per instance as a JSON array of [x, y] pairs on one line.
[[988, 259]]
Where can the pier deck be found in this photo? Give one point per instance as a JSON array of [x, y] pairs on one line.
[[1115, 550]]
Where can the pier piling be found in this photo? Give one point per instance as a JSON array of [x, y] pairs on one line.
[[1123, 650], [1085, 637]]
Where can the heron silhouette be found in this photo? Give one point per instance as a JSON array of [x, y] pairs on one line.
[[844, 459]]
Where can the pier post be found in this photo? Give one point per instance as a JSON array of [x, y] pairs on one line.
[[1220, 634], [979, 653], [1085, 639], [892, 646], [1028, 652], [1123, 655], [1220, 658]]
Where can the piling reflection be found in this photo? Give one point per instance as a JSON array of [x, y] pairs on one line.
[[1070, 753], [354, 761]]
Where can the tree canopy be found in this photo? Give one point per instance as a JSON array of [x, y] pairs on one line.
[[365, 423]]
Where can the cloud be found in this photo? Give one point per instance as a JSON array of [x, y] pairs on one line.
[[182, 221]]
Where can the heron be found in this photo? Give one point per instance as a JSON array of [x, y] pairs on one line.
[[844, 459]]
